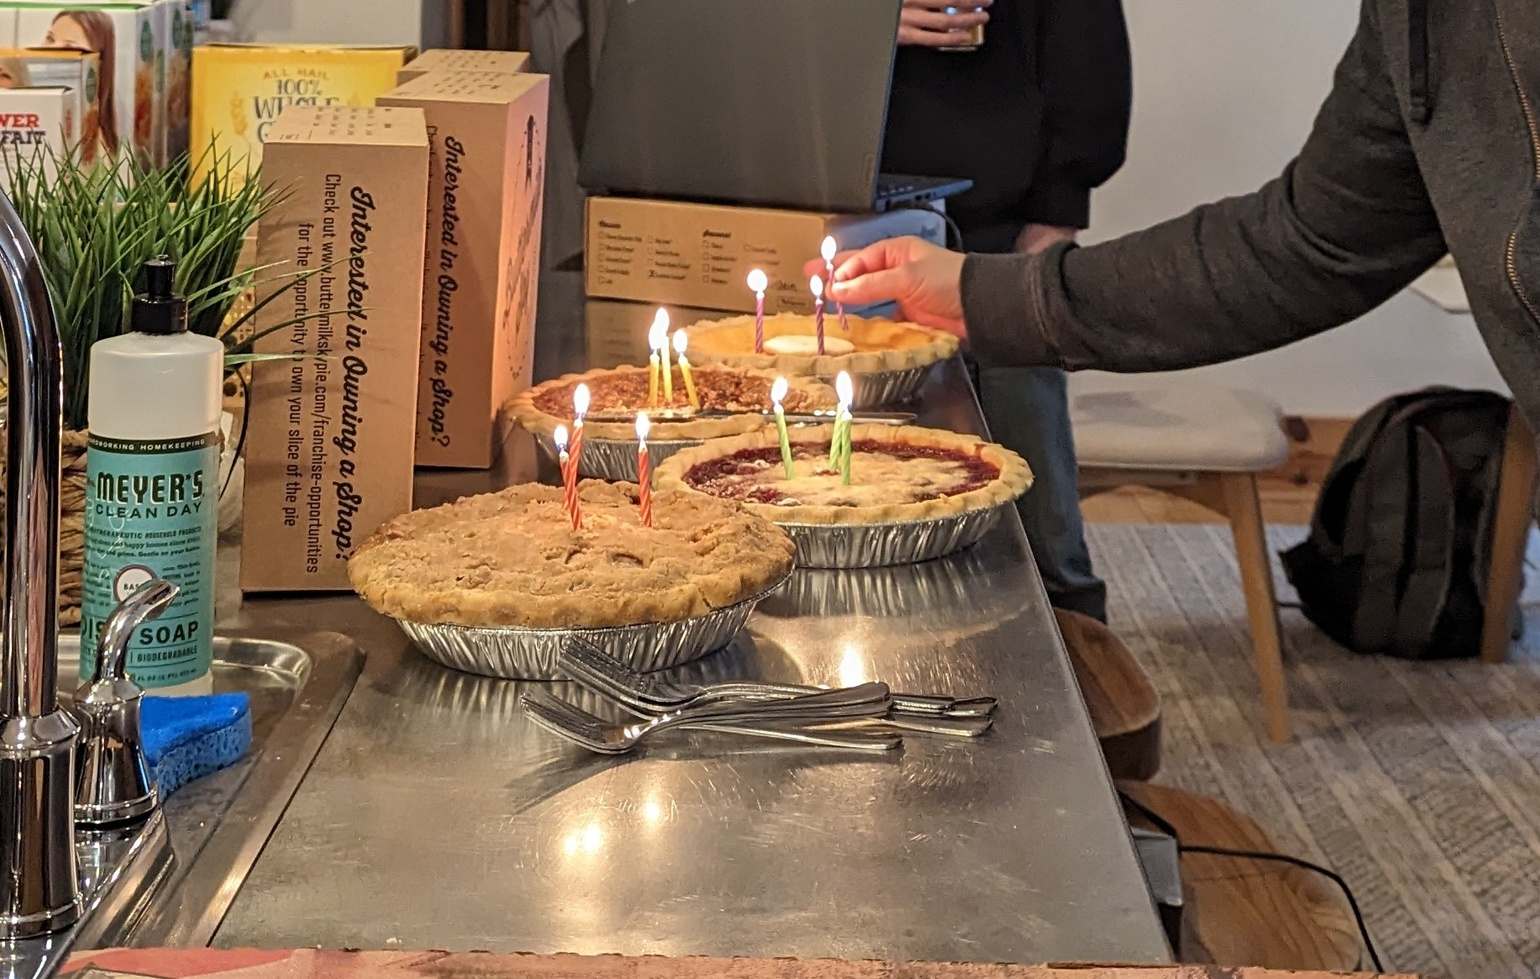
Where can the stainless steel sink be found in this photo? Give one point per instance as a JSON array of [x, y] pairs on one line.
[[171, 881]]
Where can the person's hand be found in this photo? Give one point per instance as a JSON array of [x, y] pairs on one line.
[[925, 280], [1035, 238], [927, 23]]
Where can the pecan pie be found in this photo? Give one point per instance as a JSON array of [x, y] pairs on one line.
[[898, 475], [872, 344], [620, 392], [511, 559]]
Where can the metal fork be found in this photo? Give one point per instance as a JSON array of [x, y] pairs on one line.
[[654, 694], [605, 737], [604, 675]]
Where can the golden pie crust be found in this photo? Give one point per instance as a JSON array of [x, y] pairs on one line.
[[511, 559], [881, 344], [746, 392], [886, 496]]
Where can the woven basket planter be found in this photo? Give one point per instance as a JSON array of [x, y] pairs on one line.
[[72, 522]]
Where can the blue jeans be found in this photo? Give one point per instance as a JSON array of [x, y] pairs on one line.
[[1028, 411]]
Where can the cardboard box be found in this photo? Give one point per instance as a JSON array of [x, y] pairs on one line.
[[49, 101], [176, 134], [127, 35], [701, 254], [440, 59], [240, 90], [327, 460], [37, 125], [486, 186]]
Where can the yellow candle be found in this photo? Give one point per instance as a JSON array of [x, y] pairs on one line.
[[652, 380], [681, 341], [657, 339]]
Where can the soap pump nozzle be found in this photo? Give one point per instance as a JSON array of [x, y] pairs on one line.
[[159, 310]]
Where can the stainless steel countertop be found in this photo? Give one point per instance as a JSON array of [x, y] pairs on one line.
[[436, 817]]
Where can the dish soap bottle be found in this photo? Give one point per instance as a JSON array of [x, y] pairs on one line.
[[152, 491]]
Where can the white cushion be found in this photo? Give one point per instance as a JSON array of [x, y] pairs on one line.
[[1177, 426]]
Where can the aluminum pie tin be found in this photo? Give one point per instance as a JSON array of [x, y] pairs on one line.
[[615, 460], [882, 545], [880, 388], [531, 654]]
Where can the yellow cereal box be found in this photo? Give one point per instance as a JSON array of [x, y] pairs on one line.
[[238, 90]]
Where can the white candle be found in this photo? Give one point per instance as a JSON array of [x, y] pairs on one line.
[[816, 284]]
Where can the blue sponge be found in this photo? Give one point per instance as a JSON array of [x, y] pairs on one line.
[[190, 737]]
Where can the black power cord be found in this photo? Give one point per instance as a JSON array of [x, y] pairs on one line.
[[1164, 825]]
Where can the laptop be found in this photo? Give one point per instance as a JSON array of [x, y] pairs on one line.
[[780, 103]]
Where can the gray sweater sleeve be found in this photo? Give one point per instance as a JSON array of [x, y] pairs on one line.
[[1347, 226]]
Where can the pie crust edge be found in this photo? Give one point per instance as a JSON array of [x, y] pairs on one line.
[[523, 409], [762, 558], [1014, 479], [938, 347]]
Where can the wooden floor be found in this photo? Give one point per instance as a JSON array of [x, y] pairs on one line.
[[1288, 493]]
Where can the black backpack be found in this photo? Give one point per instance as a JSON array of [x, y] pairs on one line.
[[1400, 542]]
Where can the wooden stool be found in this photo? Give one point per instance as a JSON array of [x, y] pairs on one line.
[[1510, 535], [1205, 444], [1241, 912], [1122, 702]]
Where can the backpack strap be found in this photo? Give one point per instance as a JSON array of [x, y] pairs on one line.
[[1430, 569], [1376, 525]]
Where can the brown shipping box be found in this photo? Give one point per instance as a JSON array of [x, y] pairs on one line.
[[485, 188], [454, 59], [327, 457], [701, 254]]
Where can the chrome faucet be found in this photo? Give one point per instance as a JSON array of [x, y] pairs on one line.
[[39, 892]]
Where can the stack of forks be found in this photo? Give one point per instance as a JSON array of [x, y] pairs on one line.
[[868, 717]]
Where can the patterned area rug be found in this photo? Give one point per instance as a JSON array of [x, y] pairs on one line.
[[1419, 782]]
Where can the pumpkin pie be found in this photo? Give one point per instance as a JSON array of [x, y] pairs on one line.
[[733, 400]]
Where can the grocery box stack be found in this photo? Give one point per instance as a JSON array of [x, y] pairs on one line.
[[416, 206], [128, 101]]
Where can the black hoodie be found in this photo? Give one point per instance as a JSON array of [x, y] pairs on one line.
[[1036, 117]]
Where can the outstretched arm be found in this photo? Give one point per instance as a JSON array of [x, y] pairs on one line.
[[1346, 226]]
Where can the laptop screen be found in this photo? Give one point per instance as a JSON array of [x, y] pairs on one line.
[[774, 102]]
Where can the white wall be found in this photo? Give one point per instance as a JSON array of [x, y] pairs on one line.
[[420, 22], [1224, 93]]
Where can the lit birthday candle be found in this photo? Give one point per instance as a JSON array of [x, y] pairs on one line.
[[659, 336], [777, 395], [568, 465], [828, 250], [644, 467], [759, 282], [817, 286], [581, 399], [840, 439], [652, 366], [681, 341]]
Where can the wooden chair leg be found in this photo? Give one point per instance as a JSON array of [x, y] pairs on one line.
[[1510, 534], [1244, 509]]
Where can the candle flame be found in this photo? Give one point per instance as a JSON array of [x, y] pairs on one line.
[[681, 341], [816, 284], [643, 426], [778, 390], [845, 388], [560, 438], [758, 280], [581, 399], [828, 248], [657, 337]]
